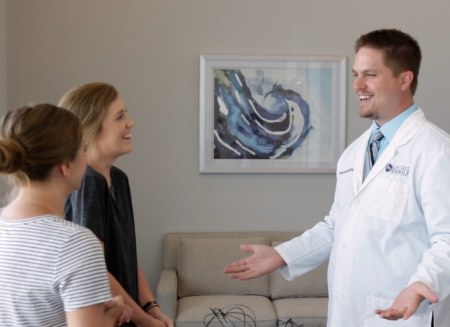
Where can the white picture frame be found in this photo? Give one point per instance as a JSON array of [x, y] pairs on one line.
[[271, 114]]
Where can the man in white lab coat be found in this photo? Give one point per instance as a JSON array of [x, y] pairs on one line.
[[387, 235]]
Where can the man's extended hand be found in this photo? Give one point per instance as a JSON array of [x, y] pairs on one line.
[[264, 259], [407, 302]]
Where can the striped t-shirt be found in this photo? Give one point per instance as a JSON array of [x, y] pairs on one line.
[[48, 266]]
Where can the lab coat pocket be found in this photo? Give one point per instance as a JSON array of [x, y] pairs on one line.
[[387, 200], [371, 319]]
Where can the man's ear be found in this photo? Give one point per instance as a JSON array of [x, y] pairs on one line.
[[406, 79]]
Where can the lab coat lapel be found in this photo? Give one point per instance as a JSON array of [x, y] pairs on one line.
[[380, 164], [409, 128], [402, 137], [359, 162]]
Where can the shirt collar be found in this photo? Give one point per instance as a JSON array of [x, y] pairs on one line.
[[390, 128]]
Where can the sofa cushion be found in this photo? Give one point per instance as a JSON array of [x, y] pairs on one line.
[[201, 262], [212, 310], [306, 312], [311, 284]]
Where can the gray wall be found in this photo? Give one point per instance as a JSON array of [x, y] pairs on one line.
[[4, 186], [2, 57], [150, 50]]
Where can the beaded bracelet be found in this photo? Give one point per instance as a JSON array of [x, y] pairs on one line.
[[149, 305]]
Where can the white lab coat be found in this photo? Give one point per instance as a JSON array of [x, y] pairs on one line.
[[385, 232]]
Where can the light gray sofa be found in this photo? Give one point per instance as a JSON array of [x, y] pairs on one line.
[[195, 292]]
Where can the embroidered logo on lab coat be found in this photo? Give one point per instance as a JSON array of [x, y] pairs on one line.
[[397, 170]]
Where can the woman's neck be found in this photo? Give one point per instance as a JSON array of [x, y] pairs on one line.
[[100, 163], [35, 200]]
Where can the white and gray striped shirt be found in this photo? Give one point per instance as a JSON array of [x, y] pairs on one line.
[[48, 266]]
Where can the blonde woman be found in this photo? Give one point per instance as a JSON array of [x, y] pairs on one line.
[[103, 202], [46, 280]]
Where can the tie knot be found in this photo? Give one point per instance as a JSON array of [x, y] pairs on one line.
[[377, 136]]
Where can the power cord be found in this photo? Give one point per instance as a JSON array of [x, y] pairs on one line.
[[239, 316], [287, 323], [231, 316]]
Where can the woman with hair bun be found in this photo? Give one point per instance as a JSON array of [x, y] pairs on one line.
[[45, 277]]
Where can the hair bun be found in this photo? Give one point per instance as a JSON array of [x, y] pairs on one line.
[[13, 156]]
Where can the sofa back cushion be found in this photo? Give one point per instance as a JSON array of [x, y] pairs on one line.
[[311, 284], [201, 262]]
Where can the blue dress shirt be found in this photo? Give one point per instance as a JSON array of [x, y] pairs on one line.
[[391, 127]]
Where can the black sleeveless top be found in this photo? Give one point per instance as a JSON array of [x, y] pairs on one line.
[[109, 214]]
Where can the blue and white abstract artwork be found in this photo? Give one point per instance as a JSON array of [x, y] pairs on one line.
[[271, 114], [256, 118]]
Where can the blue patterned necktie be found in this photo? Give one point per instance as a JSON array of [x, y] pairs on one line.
[[372, 151]]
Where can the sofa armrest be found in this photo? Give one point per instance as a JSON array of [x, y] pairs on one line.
[[166, 292]]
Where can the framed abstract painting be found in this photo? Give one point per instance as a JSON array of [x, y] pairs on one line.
[[271, 114]]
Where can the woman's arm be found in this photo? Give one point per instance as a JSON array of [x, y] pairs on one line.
[[95, 315], [146, 295], [138, 316]]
